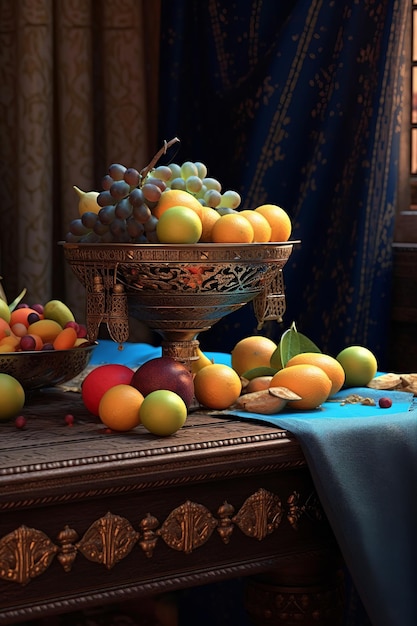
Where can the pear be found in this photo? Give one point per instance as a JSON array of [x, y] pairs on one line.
[[59, 312], [201, 362], [87, 201]]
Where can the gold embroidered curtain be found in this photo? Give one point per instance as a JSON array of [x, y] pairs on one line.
[[78, 91]]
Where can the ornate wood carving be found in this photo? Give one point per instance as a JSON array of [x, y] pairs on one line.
[[260, 515], [24, 554], [108, 540], [28, 552]]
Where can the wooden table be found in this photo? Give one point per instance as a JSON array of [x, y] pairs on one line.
[[90, 517]]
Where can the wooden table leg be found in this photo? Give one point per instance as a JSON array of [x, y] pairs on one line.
[[307, 592]]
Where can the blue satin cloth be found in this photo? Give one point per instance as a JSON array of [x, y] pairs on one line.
[[363, 461]]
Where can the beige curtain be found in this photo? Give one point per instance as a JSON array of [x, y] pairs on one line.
[[78, 92]]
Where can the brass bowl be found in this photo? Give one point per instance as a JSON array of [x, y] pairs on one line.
[[176, 290], [46, 368]]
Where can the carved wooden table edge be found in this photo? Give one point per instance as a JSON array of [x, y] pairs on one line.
[[216, 493]]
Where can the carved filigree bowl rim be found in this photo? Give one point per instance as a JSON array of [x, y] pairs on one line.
[[121, 251], [46, 368]]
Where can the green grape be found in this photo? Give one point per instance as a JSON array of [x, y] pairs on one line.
[[212, 198], [123, 209], [151, 192], [163, 172], [105, 198], [132, 177], [175, 169], [202, 192], [212, 183], [178, 183], [224, 210], [119, 190], [193, 184], [136, 197], [106, 214], [117, 171], [230, 199], [201, 169], [77, 228], [141, 213], [188, 169]]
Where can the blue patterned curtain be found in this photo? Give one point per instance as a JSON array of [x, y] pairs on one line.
[[298, 103]]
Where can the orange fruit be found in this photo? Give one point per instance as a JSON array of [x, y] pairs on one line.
[[65, 339], [278, 219], [99, 380], [359, 364], [232, 228], [176, 197], [329, 364], [217, 386], [12, 397], [208, 217], [21, 316], [179, 224], [310, 382], [119, 407], [261, 227], [253, 351]]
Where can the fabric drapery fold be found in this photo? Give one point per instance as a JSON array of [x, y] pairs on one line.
[[299, 105], [79, 93]]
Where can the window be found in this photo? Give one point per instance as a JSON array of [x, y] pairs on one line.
[[406, 217]]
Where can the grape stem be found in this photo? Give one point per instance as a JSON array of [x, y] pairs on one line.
[[161, 152]]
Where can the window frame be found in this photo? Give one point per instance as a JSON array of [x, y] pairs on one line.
[[405, 230]]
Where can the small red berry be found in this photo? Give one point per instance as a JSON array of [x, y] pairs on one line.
[[69, 419], [20, 422], [385, 403]]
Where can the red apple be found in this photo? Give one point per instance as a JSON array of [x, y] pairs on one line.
[[99, 380], [164, 372]]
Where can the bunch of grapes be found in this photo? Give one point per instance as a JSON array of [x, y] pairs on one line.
[[128, 199]]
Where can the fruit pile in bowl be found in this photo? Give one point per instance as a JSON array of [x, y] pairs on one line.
[[41, 345]]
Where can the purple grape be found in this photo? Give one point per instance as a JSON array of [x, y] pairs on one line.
[[33, 317], [27, 343]]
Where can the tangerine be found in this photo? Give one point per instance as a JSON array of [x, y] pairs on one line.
[[310, 382], [253, 351], [217, 386], [278, 219], [208, 218], [99, 380], [232, 228], [261, 227], [329, 364], [119, 407], [176, 197]]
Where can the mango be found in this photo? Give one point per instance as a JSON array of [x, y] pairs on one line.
[[47, 329], [59, 312]]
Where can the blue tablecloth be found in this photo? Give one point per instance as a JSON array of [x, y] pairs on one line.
[[363, 461]]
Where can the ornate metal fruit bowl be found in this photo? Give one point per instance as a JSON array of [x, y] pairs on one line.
[[38, 369], [177, 290]]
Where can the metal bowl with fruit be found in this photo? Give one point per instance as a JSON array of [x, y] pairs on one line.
[[46, 368], [168, 246], [41, 345]]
